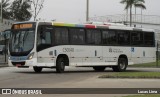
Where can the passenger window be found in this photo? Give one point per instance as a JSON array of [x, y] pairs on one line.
[[137, 38], [124, 38], [77, 36], [94, 37], [61, 36], [109, 38], [149, 39]]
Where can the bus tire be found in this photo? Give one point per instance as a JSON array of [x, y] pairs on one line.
[[37, 69], [60, 65], [122, 65], [99, 68]]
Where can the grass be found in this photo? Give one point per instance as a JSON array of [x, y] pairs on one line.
[[158, 95], [133, 75], [153, 64]]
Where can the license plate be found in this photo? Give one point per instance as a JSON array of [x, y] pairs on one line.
[[18, 65]]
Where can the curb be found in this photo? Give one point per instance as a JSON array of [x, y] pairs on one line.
[[3, 65]]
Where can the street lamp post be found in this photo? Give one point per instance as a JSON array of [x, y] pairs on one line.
[[87, 11], [141, 17]]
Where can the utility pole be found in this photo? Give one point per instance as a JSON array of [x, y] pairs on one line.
[[87, 11], [157, 54], [5, 50], [141, 17], [1, 11]]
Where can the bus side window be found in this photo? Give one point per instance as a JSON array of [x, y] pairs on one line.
[[123, 37], [61, 36], [109, 37], [77, 36], [137, 38], [94, 37], [149, 39]]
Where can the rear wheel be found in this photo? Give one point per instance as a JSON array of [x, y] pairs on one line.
[[99, 68], [37, 69], [60, 65], [122, 65]]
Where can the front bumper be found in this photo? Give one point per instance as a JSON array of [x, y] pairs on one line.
[[30, 63]]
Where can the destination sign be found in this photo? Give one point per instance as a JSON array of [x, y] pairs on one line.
[[22, 26]]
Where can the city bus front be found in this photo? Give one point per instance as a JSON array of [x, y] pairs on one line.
[[22, 45]]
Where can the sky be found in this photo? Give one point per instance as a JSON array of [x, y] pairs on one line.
[[75, 10]]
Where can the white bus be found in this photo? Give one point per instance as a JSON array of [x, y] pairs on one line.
[[56, 45]]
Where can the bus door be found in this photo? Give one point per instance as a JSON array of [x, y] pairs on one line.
[[93, 52], [44, 44], [137, 49], [77, 39]]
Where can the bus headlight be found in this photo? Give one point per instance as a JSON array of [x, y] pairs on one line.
[[30, 56]]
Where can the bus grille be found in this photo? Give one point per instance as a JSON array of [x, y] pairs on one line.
[[18, 63]]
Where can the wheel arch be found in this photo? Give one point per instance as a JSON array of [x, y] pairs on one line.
[[118, 68], [123, 56], [66, 58]]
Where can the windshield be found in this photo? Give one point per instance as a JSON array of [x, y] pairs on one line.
[[22, 41]]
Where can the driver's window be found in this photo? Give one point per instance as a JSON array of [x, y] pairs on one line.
[[44, 38]]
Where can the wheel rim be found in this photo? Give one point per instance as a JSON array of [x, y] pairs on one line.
[[62, 65], [122, 65]]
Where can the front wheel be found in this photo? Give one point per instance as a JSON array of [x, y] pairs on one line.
[[37, 69], [122, 65], [60, 65]]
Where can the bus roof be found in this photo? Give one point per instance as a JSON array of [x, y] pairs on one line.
[[105, 26], [93, 25]]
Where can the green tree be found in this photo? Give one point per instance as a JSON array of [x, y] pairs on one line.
[[130, 3], [21, 10], [5, 10]]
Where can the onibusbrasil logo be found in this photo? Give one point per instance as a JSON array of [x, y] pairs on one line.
[[21, 91]]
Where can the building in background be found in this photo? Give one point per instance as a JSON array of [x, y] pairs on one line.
[[140, 21], [6, 24]]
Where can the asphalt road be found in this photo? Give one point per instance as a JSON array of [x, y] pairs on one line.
[[12, 77]]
